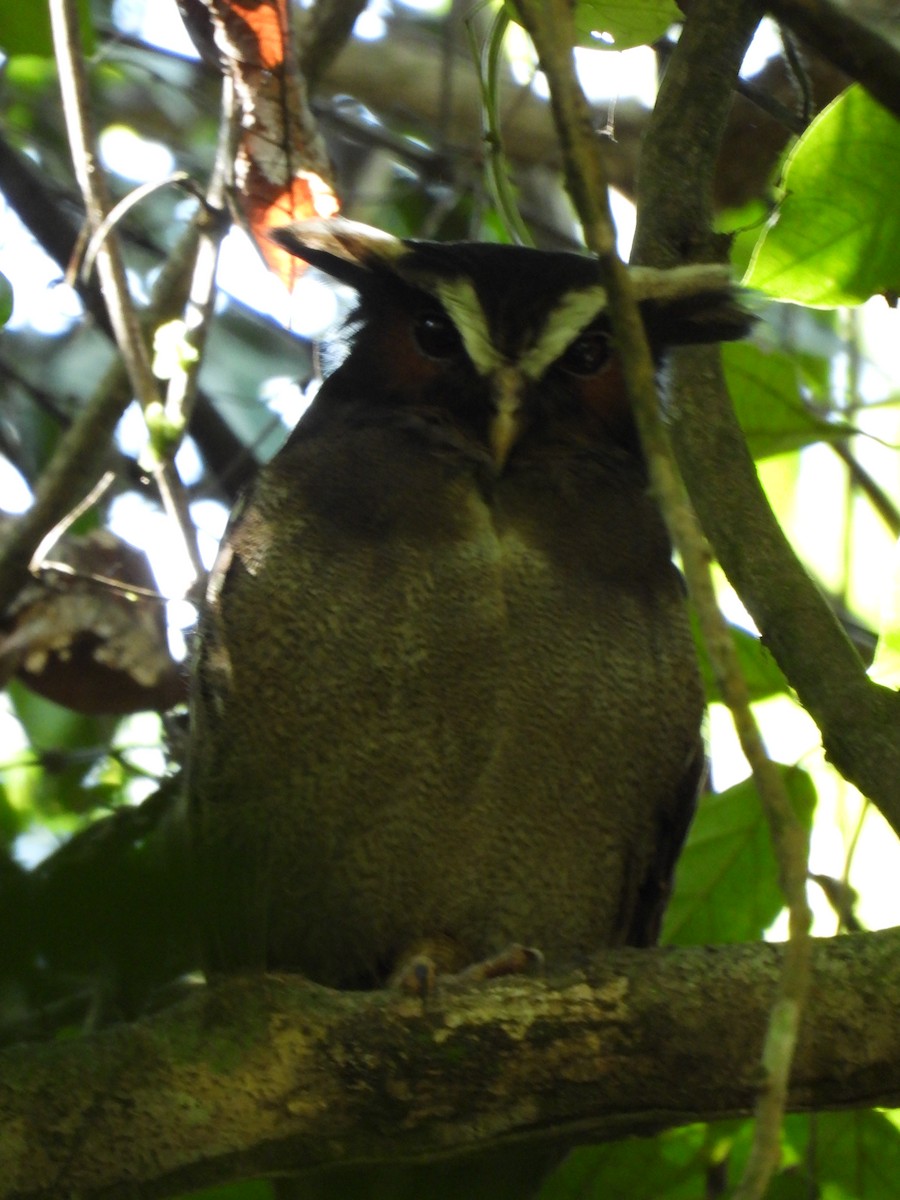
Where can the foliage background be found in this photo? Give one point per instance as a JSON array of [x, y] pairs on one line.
[[816, 390]]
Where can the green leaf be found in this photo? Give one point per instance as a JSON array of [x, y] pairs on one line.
[[743, 226], [671, 1165], [764, 387], [683, 1164], [31, 74], [847, 1155], [760, 670], [25, 29], [835, 238], [726, 885], [789, 1185], [10, 820], [67, 745], [619, 24], [6, 299], [257, 1189]]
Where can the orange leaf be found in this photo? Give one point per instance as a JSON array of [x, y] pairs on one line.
[[282, 171]]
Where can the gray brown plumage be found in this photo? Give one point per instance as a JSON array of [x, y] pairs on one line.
[[445, 695]]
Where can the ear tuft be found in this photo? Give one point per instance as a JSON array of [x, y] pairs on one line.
[[690, 304], [346, 250]]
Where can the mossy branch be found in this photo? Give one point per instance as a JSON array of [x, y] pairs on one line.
[[268, 1075]]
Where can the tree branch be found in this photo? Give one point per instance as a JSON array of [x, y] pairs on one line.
[[323, 32], [859, 720], [272, 1074], [400, 79], [848, 43], [97, 201]]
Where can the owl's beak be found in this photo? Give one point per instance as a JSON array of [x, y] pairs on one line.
[[506, 420]]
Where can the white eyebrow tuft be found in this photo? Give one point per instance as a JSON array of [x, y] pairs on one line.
[[678, 283], [574, 311], [460, 299]]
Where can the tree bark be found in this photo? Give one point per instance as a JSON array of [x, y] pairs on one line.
[[257, 1076], [859, 720]]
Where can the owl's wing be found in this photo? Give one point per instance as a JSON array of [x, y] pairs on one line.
[[672, 830]]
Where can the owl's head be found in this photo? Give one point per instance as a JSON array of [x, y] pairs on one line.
[[503, 337]]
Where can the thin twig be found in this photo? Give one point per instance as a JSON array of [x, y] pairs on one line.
[[181, 391], [118, 211], [550, 28], [870, 487], [110, 267], [774, 108], [177, 508], [182, 387], [497, 175], [83, 451], [48, 218], [859, 478], [47, 543], [77, 463], [846, 42], [110, 264], [322, 32], [799, 74]]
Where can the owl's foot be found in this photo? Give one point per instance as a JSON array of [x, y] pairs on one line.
[[418, 969], [515, 959], [417, 976], [421, 972]]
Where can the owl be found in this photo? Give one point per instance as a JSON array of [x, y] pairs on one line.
[[445, 707]]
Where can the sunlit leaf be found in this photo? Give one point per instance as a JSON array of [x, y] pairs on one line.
[[835, 238], [66, 745], [252, 1190], [766, 396], [761, 672], [680, 1164], [29, 73], [847, 1155], [789, 1185], [669, 1166], [25, 29], [618, 24], [10, 820], [6, 299], [726, 885]]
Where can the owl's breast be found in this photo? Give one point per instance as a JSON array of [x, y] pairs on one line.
[[441, 708]]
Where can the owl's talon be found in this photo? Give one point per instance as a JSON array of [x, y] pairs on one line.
[[419, 974], [515, 959], [416, 977]]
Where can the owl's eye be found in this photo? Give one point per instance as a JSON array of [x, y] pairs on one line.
[[587, 354], [436, 335]]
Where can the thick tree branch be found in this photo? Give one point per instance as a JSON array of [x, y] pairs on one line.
[[323, 33], [848, 43], [859, 721], [401, 81], [266, 1075]]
